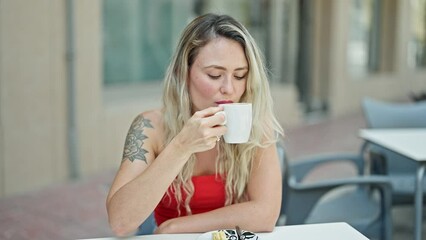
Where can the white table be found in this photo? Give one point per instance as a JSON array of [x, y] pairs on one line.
[[412, 144], [324, 231]]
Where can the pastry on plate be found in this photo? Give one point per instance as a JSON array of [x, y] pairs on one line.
[[219, 235], [230, 234]]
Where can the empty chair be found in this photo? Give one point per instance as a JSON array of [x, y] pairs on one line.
[[362, 201], [379, 114], [402, 171]]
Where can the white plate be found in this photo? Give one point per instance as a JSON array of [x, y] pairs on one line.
[[230, 233]]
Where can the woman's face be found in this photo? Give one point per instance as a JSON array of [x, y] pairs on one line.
[[218, 74]]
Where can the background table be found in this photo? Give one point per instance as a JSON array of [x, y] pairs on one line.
[[412, 144], [324, 231]]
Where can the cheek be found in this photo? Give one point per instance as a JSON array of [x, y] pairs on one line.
[[207, 89], [202, 88], [241, 88]]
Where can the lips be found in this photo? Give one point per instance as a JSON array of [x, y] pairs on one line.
[[224, 102]]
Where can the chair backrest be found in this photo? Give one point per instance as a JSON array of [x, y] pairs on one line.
[[148, 226], [284, 172], [381, 114]]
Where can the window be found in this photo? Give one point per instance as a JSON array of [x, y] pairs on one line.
[[139, 36], [138, 39], [417, 43], [364, 37]]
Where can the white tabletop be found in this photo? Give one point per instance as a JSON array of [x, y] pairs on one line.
[[409, 142], [323, 231]]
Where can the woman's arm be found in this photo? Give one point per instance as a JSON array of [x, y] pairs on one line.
[[258, 214], [143, 177]]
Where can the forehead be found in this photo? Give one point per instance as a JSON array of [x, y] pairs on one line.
[[222, 52]]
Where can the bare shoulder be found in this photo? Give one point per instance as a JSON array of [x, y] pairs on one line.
[[144, 136], [152, 117], [264, 156]]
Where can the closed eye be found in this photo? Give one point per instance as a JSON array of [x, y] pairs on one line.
[[214, 76], [240, 77]]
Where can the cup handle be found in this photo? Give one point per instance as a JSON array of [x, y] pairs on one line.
[[224, 114]]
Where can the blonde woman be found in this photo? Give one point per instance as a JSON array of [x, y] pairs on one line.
[[174, 163]]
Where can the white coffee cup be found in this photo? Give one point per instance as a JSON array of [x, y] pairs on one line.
[[238, 120]]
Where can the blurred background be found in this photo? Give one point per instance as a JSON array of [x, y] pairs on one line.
[[74, 74]]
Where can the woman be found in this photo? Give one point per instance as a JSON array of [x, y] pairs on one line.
[[174, 162]]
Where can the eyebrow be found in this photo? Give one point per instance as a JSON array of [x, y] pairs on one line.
[[223, 68]]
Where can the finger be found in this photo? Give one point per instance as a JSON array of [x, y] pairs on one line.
[[219, 118], [219, 130], [208, 111], [213, 121], [210, 142], [209, 117]]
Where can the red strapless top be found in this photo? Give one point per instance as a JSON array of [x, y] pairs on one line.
[[209, 194]]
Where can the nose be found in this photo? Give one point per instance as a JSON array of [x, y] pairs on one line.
[[227, 86]]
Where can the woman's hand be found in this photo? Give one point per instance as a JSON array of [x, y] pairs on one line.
[[202, 130]]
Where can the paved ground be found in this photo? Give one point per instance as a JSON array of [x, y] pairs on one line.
[[77, 209]]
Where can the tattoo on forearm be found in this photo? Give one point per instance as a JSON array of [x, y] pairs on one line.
[[133, 148]]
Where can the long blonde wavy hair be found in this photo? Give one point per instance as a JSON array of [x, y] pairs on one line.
[[234, 161]]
